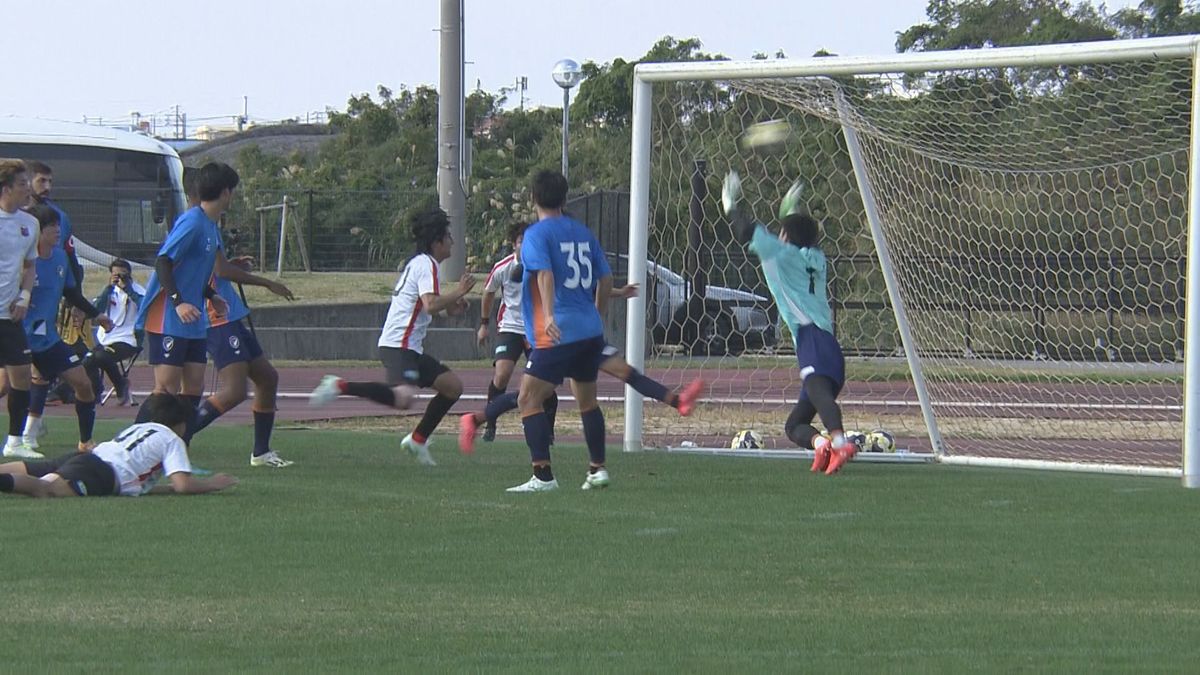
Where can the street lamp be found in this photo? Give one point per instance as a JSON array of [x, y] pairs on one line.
[[566, 74]]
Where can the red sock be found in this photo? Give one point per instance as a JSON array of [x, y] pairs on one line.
[[419, 438]]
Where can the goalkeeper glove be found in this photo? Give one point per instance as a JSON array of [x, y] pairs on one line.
[[731, 193], [791, 200]]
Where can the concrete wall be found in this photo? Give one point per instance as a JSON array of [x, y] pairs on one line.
[[331, 332]]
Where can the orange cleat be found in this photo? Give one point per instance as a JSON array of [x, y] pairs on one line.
[[820, 454], [467, 427], [689, 396], [841, 455]]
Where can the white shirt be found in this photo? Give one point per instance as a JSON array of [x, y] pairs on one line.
[[140, 452], [123, 311], [407, 318], [18, 243], [500, 279]]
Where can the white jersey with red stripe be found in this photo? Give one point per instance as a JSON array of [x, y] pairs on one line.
[[139, 453], [500, 280], [407, 319]]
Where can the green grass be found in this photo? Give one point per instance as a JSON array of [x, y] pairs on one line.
[[356, 559]]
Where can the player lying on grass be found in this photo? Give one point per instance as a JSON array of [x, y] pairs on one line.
[[128, 465], [795, 269]]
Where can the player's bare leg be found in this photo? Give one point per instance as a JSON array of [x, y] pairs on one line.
[[85, 404]]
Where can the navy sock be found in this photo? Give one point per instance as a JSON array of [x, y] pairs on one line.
[[37, 398], [6, 483], [193, 402], [374, 391], [646, 386], [206, 415], [543, 473], [18, 410], [493, 393], [500, 405], [86, 413], [264, 423], [537, 436], [593, 433]]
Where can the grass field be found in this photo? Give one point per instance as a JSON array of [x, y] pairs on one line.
[[357, 559]]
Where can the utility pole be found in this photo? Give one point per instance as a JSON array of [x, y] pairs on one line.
[[451, 195]]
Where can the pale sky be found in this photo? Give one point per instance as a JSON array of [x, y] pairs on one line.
[[105, 58]]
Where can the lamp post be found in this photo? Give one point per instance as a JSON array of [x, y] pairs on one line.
[[566, 74]]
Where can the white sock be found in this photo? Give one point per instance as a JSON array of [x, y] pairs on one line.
[[839, 440], [32, 426], [14, 441]]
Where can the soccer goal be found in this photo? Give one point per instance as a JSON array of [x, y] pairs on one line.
[[1008, 234]]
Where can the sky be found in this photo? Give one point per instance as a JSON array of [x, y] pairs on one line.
[[105, 59]]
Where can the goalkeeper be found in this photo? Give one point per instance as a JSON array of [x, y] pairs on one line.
[[795, 269]]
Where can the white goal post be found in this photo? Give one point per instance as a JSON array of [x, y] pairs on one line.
[[1012, 236]]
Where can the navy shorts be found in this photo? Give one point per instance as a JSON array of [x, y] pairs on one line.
[[579, 361], [232, 342], [510, 347], [168, 350], [56, 360], [818, 353]]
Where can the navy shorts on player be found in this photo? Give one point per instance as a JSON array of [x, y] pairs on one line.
[[404, 366], [510, 347], [232, 342], [818, 353], [168, 350], [58, 359], [87, 474], [14, 347], [579, 361]]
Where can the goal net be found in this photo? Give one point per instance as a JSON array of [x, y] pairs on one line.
[[1007, 236]]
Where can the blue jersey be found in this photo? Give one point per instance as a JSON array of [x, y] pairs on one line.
[[53, 275], [566, 247], [192, 246], [796, 277], [237, 309]]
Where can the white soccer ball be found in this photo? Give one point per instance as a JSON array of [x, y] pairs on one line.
[[746, 439], [766, 135], [858, 438], [880, 441]]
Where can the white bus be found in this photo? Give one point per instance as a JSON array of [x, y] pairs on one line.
[[120, 189]]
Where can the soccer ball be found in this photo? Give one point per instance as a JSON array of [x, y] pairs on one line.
[[858, 438], [765, 135], [746, 439], [880, 441]]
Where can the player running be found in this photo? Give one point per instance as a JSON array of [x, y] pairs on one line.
[[415, 299]]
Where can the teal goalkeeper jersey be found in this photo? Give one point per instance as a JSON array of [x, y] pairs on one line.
[[796, 277]]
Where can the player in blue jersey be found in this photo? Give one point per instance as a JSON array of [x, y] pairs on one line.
[[51, 356], [567, 285], [237, 356], [175, 326], [795, 269]]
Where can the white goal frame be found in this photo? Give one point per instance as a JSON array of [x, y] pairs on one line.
[[646, 74]]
